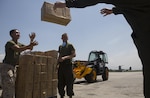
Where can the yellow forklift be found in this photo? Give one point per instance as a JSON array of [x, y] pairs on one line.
[[96, 65]]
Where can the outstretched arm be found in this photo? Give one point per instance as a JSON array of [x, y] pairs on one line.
[[114, 10], [80, 3], [25, 47], [20, 49]]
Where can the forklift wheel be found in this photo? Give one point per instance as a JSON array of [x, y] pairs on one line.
[[90, 78], [105, 75]]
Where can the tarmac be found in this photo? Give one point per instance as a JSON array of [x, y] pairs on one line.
[[119, 85]]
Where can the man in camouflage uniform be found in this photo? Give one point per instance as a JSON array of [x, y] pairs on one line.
[[8, 69]]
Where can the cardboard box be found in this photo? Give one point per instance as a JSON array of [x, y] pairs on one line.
[[59, 16]]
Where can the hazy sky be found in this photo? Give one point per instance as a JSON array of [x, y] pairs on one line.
[[87, 31]]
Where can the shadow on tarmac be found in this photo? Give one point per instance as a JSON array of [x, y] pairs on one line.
[[85, 82]]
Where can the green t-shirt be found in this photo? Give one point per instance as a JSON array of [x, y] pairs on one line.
[[11, 56], [66, 50]]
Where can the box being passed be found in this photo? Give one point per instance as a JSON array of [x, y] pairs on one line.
[[59, 16]]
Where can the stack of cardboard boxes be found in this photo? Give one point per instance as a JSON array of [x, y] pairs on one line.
[[37, 77]]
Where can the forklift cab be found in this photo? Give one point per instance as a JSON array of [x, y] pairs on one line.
[[98, 60], [98, 55]]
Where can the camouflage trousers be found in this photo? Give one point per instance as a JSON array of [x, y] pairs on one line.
[[8, 75]]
